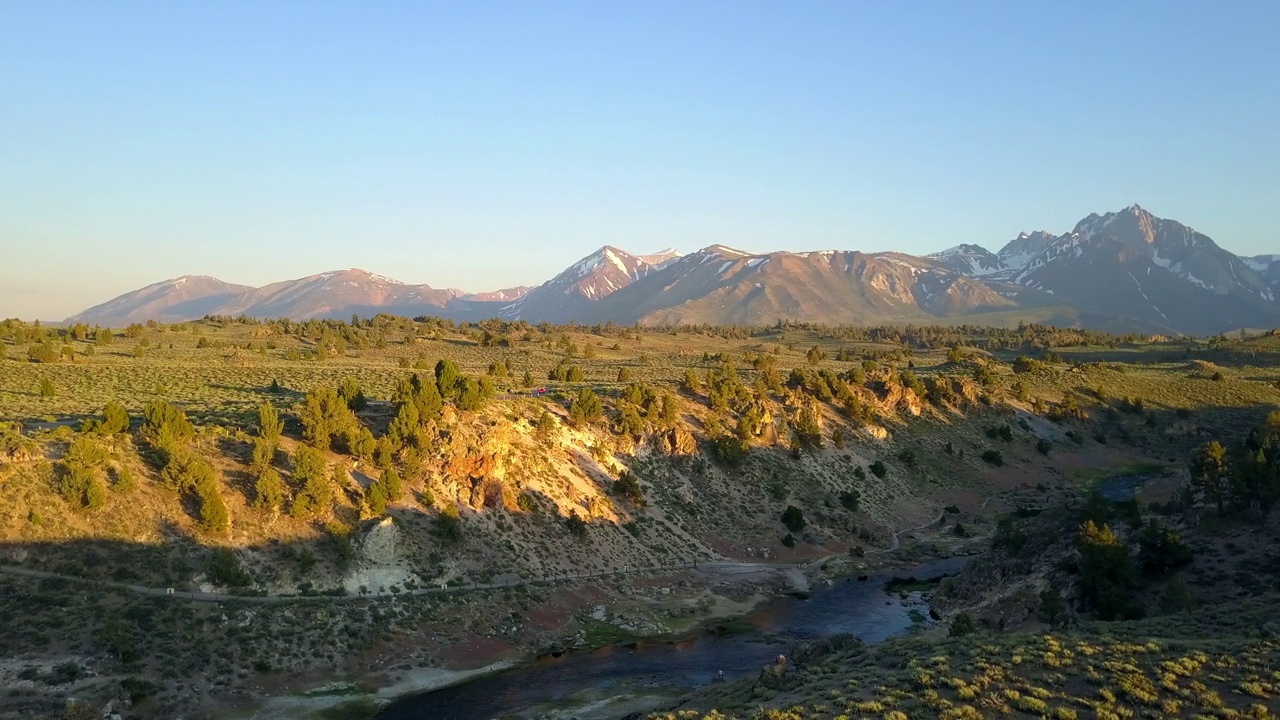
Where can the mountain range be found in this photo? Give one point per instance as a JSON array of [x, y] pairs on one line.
[[1120, 271]]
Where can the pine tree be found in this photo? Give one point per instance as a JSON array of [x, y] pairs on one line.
[[270, 426], [447, 379], [392, 485], [586, 407], [311, 472], [214, 516], [428, 401], [324, 416], [376, 498], [1210, 473], [165, 428], [269, 491]]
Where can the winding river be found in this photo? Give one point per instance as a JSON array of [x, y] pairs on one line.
[[862, 608]]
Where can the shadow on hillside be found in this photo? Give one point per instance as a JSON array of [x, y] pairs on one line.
[[176, 557]]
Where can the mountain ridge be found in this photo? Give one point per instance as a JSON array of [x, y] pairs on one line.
[[1122, 269]]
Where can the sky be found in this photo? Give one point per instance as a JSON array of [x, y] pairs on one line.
[[483, 145]]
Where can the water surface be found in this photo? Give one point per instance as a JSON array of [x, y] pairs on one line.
[[862, 608]]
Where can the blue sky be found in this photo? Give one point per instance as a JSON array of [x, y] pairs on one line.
[[483, 145]]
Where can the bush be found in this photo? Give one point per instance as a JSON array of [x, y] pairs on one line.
[[961, 625], [576, 525], [793, 518], [878, 469], [993, 457], [628, 487], [449, 523], [789, 540], [525, 502], [849, 500], [1000, 432], [1161, 549], [1043, 447], [1051, 607], [224, 570], [1025, 364]]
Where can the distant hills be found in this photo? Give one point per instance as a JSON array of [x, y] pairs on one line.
[[1120, 271]]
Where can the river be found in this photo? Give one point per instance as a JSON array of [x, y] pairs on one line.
[[862, 608]]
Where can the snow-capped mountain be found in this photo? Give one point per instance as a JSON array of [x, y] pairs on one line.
[[570, 295], [338, 294], [176, 300], [1125, 270], [662, 258], [1133, 264], [1022, 249], [970, 260], [504, 295], [720, 285]]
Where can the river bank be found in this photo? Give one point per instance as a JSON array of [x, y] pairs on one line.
[[620, 623], [643, 675]]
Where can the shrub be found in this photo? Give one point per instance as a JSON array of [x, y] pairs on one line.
[[1025, 364], [629, 487], [115, 419], [449, 523], [961, 625], [849, 500], [1000, 432], [907, 456], [878, 469], [165, 428], [1161, 549], [1051, 607], [793, 518], [525, 502], [993, 457], [1043, 446], [789, 540], [576, 525], [224, 570]]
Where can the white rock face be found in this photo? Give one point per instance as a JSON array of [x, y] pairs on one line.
[[380, 567], [379, 544]]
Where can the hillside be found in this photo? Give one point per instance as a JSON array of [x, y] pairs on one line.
[[649, 449]]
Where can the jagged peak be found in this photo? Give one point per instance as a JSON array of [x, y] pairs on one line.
[[597, 259]]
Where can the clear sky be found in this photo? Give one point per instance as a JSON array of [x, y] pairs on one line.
[[482, 145]]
